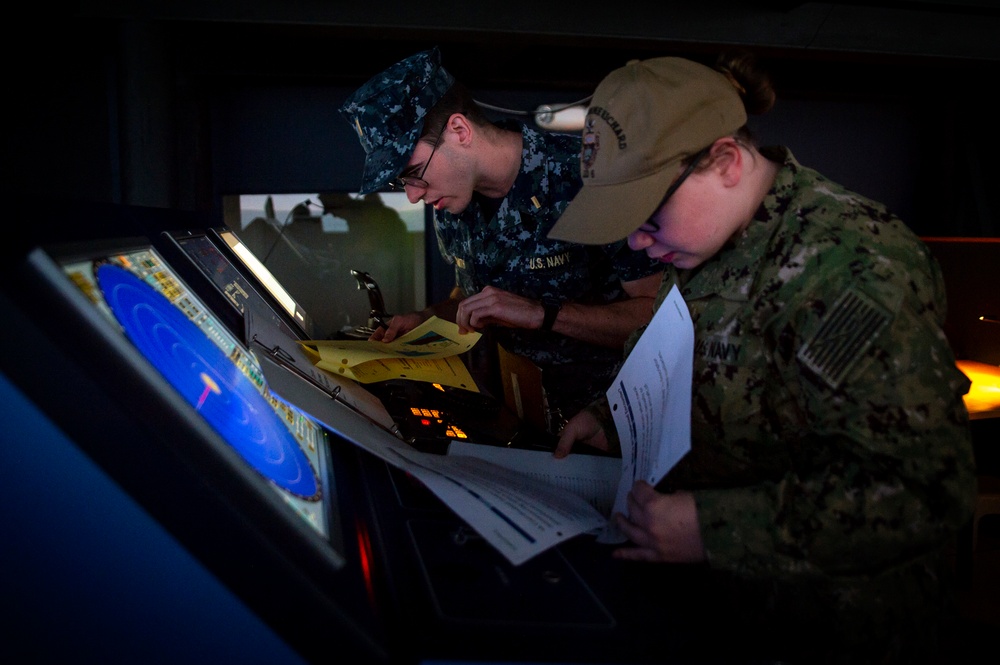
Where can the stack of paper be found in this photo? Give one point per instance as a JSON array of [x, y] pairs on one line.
[[429, 353]]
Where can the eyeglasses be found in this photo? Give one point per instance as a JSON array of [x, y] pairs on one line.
[[700, 155], [399, 183]]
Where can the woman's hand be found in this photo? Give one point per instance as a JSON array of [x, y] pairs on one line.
[[661, 527], [585, 428]]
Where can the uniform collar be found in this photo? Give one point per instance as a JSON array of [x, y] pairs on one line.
[[533, 160]]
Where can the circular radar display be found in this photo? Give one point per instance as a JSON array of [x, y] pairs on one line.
[[208, 379]]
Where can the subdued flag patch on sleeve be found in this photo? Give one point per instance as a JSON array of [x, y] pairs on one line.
[[844, 335]]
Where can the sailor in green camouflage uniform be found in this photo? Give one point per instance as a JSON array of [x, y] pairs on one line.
[[499, 240], [831, 463]]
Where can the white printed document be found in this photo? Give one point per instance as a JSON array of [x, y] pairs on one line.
[[593, 477], [524, 502], [650, 402]]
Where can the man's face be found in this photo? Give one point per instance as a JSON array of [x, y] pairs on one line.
[[445, 179]]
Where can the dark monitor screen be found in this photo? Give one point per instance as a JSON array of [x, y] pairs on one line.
[[208, 257], [241, 281], [269, 282]]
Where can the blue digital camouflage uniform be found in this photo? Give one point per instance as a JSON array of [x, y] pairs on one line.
[[388, 114], [509, 249], [831, 460]]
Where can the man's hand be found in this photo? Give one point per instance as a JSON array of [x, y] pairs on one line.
[[399, 324], [603, 324], [493, 306]]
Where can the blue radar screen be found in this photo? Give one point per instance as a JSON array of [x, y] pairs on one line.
[[208, 379]]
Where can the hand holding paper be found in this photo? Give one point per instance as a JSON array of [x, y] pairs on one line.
[[429, 353], [650, 401]]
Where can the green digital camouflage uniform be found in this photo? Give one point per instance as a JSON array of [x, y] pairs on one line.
[[830, 460], [509, 249]]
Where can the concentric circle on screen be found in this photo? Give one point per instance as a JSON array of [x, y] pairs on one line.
[[208, 379]]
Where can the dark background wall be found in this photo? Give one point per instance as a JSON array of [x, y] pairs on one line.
[[178, 105]]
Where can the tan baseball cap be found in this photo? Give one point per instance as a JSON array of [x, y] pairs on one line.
[[645, 118]]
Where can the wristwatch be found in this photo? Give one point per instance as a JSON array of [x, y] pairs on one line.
[[551, 306]]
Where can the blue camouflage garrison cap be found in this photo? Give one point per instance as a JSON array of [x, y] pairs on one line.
[[388, 114]]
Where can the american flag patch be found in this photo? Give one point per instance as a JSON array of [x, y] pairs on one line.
[[843, 336]]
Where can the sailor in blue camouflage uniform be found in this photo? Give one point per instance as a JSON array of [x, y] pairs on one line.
[[831, 464], [497, 189]]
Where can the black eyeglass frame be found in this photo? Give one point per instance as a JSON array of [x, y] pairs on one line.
[[399, 183], [698, 156]]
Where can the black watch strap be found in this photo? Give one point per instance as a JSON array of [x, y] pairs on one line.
[[551, 307]]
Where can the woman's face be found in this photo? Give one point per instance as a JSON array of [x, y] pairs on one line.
[[689, 228]]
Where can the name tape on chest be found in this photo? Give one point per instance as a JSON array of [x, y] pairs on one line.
[[548, 262]]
